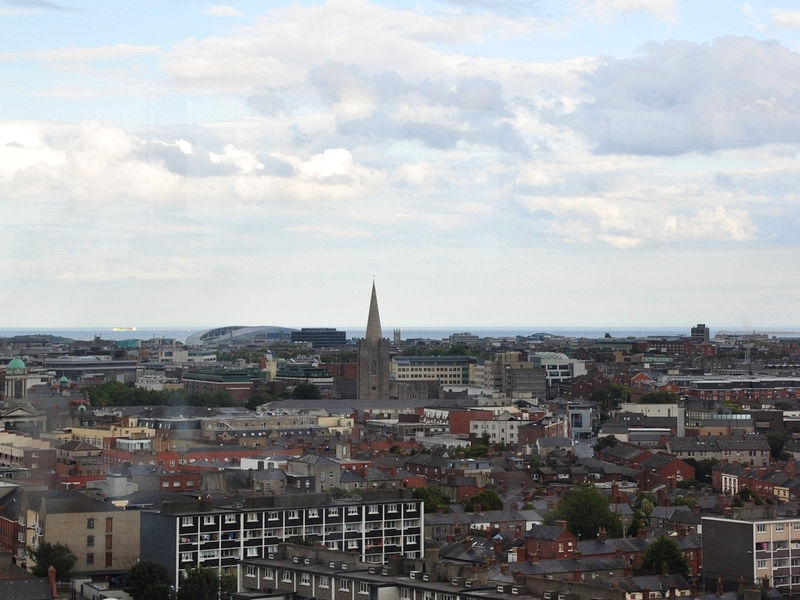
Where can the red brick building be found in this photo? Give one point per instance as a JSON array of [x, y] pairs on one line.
[[550, 541]]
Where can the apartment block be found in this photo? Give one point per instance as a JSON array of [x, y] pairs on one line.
[[755, 545], [198, 533]]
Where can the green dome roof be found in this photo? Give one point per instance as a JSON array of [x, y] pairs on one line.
[[63, 379], [15, 364]]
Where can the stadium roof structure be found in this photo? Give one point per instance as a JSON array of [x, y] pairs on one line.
[[239, 334]]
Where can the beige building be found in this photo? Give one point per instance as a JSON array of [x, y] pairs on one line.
[[102, 537], [95, 435]]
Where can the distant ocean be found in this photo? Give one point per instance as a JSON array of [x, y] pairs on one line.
[[181, 333]]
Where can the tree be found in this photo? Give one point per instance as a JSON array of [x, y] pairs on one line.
[[306, 391], [608, 441], [476, 450], [663, 555], [148, 580], [659, 398], [432, 497], [56, 555], [199, 584], [776, 440], [486, 499], [586, 510]]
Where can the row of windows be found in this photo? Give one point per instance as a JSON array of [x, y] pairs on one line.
[[311, 513], [762, 527], [323, 581], [90, 524]]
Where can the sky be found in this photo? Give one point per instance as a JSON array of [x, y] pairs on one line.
[[489, 163]]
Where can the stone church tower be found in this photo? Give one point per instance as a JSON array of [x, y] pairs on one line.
[[373, 357]]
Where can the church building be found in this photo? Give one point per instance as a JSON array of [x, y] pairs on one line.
[[373, 357]]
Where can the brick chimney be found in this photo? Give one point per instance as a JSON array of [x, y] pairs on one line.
[[51, 575]]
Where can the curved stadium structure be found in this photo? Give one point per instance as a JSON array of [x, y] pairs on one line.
[[240, 334]]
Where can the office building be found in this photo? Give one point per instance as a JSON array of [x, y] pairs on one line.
[[320, 337]]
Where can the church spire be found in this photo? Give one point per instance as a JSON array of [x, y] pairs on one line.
[[374, 332]]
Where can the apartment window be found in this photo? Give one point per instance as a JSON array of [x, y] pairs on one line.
[[344, 585], [391, 508], [293, 514], [90, 559], [209, 554], [778, 526], [187, 521], [333, 512], [352, 510], [230, 518], [109, 560], [252, 551], [269, 574], [411, 507], [109, 524], [208, 520], [305, 579], [324, 581], [273, 516], [761, 528], [411, 539], [252, 517], [761, 564], [186, 557], [286, 576], [373, 509], [90, 540], [89, 523], [363, 588], [109, 542], [250, 571], [405, 594], [313, 513], [796, 525]]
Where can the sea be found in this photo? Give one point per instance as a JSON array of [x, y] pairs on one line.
[[407, 332]]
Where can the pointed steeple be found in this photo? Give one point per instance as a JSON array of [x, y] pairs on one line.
[[374, 333]]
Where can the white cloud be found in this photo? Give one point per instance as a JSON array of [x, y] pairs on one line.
[[680, 97], [223, 11], [788, 20], [611, 9], [97, 53], [328, 231]]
